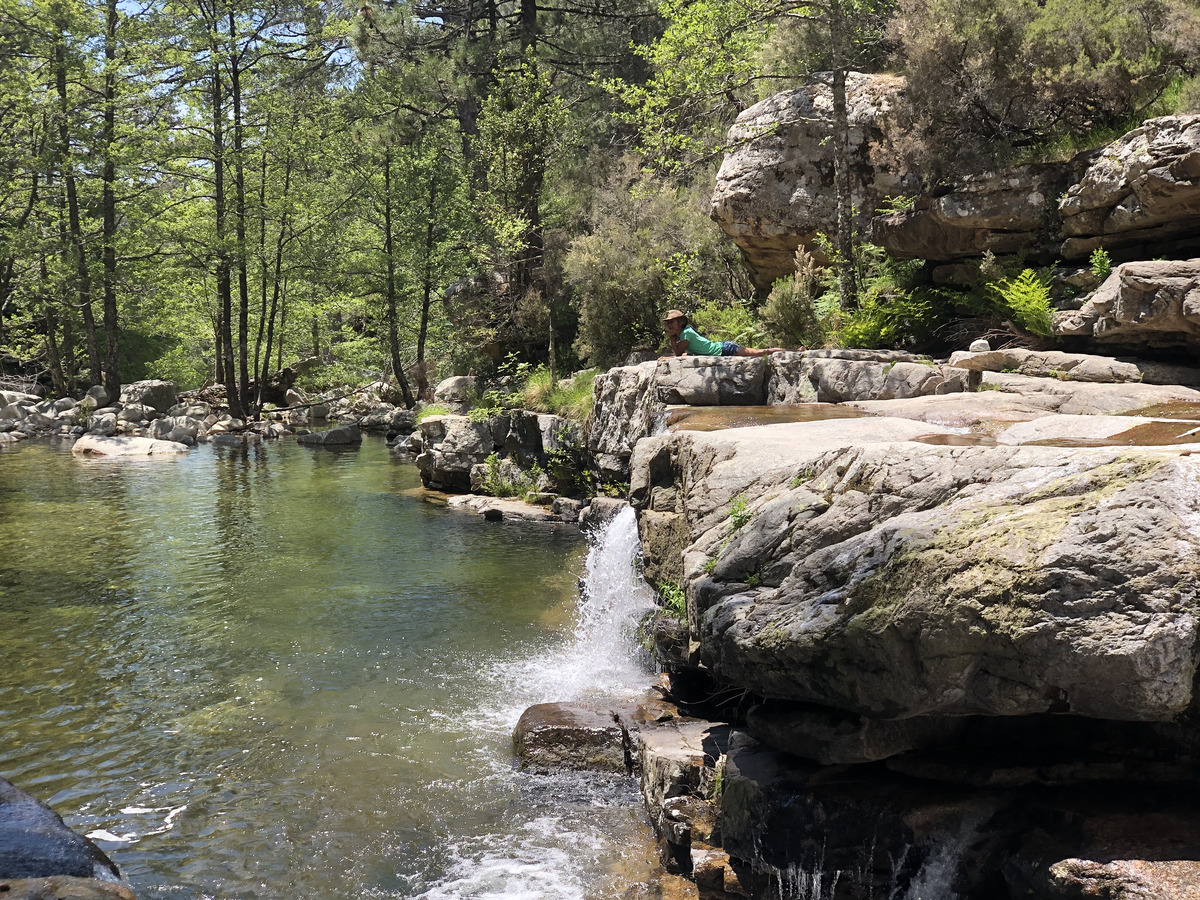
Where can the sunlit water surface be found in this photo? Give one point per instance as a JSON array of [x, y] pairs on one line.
[[265, 671]]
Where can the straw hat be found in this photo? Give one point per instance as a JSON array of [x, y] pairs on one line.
[[673, 314]]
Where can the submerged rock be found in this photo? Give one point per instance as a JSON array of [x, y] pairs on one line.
[[341, 436]]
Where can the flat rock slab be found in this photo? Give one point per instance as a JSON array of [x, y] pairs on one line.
[[552, 736], [807, 378], [496, 509], [63, 888], [1102, 430], [1050, 364], [711, 380], [1009, 398], [96, 445]]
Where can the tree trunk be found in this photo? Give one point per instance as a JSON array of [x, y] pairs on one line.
[[228, 373], [239, 180], [270, 317], [847, 283], [74, 252], [108, 203], [389, 250], [426, 291]]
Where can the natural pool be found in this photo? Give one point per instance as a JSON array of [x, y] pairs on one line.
[[264, 671]]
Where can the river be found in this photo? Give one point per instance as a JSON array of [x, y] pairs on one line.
[[272, 671]]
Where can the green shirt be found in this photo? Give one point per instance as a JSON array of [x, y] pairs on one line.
[[699, 346]]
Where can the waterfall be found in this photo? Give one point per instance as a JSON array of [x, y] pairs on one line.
[[601, 659]]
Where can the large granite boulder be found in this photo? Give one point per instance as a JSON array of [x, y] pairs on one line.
[[890, 578], [1155, 302], [451, 446], [157, 394], [775, 189], [626, 409], [1140, 195], [1002, 212], [711, 380]]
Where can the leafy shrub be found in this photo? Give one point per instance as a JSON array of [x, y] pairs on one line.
[[571, 398], [429, 410], [911, 318], [499, 484], [729, 321], [739, 512], [801, 310], [651, 247]]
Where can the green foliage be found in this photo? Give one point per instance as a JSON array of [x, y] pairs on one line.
[[429, 410], [1101, 263], [986, 77], [729, 321], [618, 489], [802, 311], [571, 398], [739, 511], [1026, 300], [651, 247], [672, 599], [496, 483]]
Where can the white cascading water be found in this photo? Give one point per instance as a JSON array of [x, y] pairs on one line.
[[564, 825], [601, 658]]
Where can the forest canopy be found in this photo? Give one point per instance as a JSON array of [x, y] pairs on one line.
[[211, 190]]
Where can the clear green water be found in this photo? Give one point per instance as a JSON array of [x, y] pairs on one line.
[[258, 672]]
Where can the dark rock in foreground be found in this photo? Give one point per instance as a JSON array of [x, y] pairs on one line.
[[35, 843]]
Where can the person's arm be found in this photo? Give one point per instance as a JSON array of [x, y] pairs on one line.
[[678, 345]]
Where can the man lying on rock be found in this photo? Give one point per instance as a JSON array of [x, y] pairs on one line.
[[683, 339]]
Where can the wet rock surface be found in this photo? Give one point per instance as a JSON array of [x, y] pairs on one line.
[[553, 736]]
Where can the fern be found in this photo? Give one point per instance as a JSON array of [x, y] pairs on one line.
[[1025, 300]]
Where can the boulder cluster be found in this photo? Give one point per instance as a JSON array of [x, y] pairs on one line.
[[152, 418]]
